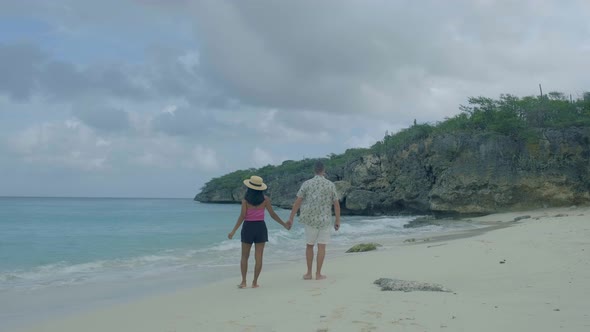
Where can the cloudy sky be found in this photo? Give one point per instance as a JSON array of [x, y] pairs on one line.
[[152, 98]]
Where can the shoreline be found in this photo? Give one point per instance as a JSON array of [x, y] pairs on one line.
[[526, 292], [23, 305]]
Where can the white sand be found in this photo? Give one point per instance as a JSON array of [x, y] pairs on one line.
[[544, 285]]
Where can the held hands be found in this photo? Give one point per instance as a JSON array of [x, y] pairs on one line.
[[289, 224]]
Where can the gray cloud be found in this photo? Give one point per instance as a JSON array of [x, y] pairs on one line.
[[104, 118], [18, 67], [28, 72], [114, 81], [175, 74], [388, 57], [184, 121], [61, 80]]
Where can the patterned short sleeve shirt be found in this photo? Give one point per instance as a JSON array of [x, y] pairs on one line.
[[318, 196]]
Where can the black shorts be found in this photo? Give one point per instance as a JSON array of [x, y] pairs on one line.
[[254, 232]]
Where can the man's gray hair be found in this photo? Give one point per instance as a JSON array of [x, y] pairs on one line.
[[319, 167]]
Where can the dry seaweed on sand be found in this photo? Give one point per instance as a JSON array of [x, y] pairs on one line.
[[364, 247], [388, 284]]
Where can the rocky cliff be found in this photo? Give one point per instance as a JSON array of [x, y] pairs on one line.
[[451, 173]]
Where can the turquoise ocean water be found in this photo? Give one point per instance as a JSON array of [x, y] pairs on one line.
[[58, 255]]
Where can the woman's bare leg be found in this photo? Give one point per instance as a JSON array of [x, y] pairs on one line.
[[244, 263], [258, 253]]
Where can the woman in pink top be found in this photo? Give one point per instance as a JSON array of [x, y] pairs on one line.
[[254, 229]]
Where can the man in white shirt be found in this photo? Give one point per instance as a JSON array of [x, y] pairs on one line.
[[316, 198]]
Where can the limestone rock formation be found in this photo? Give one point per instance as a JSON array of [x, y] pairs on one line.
[[445, 174]]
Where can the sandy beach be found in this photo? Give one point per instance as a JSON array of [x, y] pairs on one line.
[[528, 275]]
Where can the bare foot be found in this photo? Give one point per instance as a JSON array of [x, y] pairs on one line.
[[255, 285], [307, 276], [242, 285], [320, 277]]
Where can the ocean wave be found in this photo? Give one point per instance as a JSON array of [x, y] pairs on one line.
[[64, 273], [350, 231], [373, 226], [225, 245]]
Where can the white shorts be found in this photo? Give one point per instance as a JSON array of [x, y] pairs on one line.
[[314, 235]]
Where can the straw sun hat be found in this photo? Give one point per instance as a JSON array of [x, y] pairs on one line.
[[255, 182]]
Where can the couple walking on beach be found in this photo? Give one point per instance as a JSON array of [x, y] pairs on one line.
[[315, 198]]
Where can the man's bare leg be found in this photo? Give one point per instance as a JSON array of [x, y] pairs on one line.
[[320, 262], [258, 253], [244, 263], [309, 257]]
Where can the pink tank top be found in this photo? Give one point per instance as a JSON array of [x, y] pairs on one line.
[[256, 214]]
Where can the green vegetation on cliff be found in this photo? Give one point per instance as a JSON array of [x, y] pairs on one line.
[[519, 118]]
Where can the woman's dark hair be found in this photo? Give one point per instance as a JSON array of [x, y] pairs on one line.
[[254, 197]]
